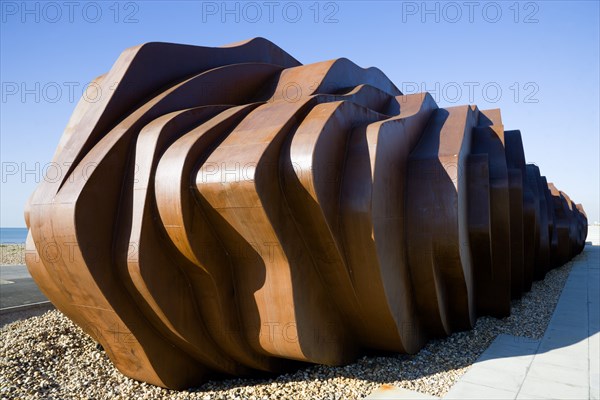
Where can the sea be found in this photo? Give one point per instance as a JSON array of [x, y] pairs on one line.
[[13, 235]]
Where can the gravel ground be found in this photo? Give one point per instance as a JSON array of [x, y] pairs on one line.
[[12, 254], [19, 314], [49, 357]]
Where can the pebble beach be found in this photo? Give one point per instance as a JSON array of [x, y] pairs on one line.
[[12, 254], [48, 357]]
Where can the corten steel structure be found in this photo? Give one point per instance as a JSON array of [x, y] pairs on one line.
[[230, 210]]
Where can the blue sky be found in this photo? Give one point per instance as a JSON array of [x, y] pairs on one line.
[[537, 61]]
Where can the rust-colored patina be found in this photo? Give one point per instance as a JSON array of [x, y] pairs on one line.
[[225, 211]]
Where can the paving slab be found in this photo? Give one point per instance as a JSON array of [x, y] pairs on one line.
[[499, 372], [390, 392], [468, 390], [564, 364], [550, 389]]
